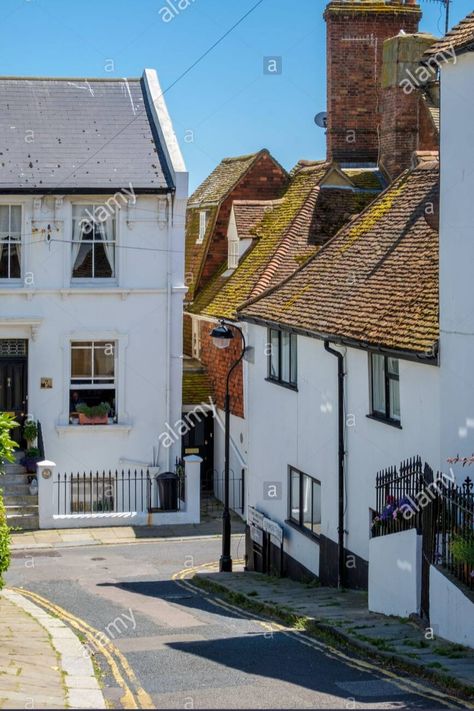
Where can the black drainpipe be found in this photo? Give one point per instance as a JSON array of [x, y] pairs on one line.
[[341, 454]]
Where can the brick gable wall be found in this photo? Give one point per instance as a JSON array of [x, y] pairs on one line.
[[264, 181]]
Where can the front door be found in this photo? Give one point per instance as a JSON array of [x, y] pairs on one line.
[[13, 389], [199, 440]]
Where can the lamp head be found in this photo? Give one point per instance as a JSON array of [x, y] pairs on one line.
[[221, 336]]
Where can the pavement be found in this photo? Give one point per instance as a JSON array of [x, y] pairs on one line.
[[211, 525], [43, 664], [172, 644], [343, 616]]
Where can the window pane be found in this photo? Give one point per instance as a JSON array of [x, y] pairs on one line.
[[295, 496], [378, 383], [285, 356], [316, 507], [293, 359], [83, 260], [393, 366], [394, 399], [274, 354], [4, 220], [81, 361], [104, 360], [15, 259], [15, 220], [104, 260], [307, 502]]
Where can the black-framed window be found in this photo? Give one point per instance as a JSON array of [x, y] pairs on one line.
[[385, 387], [282, 357], [305, 501]]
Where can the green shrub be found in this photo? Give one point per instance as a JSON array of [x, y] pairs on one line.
[[94, 410], [30, 430], [4, 541], [462, 548], [7, 446]]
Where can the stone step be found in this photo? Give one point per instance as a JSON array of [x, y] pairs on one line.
[[11, 469], [8, 480], [20, 500], [25, 523], [16, 489], [15, 510]]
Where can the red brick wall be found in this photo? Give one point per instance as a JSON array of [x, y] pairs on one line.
[[217, 363], [355, 39], [406, 127], [187, 335], [399, 129], [264, 181]]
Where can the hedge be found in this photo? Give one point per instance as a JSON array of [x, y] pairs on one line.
[[7, 447]]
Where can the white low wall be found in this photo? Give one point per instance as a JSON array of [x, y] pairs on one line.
[[395, 574], [48, 492], [451, 611]]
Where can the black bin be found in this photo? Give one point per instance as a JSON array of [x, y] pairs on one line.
[[168, 490]]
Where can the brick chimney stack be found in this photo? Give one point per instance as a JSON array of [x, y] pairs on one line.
[[405, 124], [356, 31]]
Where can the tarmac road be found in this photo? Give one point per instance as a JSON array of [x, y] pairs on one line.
[[173, 646]]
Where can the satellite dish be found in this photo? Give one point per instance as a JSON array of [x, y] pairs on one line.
[[321, 119]]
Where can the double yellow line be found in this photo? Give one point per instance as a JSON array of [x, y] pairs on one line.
[[134, 696], [406, 685]]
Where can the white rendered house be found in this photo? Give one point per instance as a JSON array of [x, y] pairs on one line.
[[93, 193]]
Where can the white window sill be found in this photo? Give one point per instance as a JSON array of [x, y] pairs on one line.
[[86, 429]]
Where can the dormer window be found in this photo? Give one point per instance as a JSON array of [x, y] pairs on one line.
[[202, 226], [10, 242]]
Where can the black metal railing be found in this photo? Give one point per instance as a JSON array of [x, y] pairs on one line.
[[40, 440], [454, 548], [397, 494], [124, 491], [212, 502]]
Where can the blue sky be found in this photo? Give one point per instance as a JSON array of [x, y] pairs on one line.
[[226, 105]]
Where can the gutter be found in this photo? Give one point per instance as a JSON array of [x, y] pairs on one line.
[[428, 358], [341, 455]]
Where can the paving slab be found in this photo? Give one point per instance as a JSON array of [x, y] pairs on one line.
[[44, 664], [313, 608]]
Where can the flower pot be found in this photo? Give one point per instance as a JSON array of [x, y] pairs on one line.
[[98, 420]]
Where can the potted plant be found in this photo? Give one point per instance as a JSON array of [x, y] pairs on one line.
[[94, 414], [30, 432], [30, 460]]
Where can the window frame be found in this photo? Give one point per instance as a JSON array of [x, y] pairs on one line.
[[299, 522], [108, 382], [233, 253], [113, 219], [203, 223], [19, 241], [389, 377], [291, 383]]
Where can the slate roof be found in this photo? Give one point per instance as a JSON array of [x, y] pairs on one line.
[[460, 38], [374, 283], [85, 134], [222, 179]]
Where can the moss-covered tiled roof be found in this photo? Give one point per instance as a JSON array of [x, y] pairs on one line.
[[239, 286], [197, 387], [376, 281], [365, 179], [222, 179]]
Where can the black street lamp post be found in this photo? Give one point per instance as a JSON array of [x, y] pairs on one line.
[[222, 336]]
